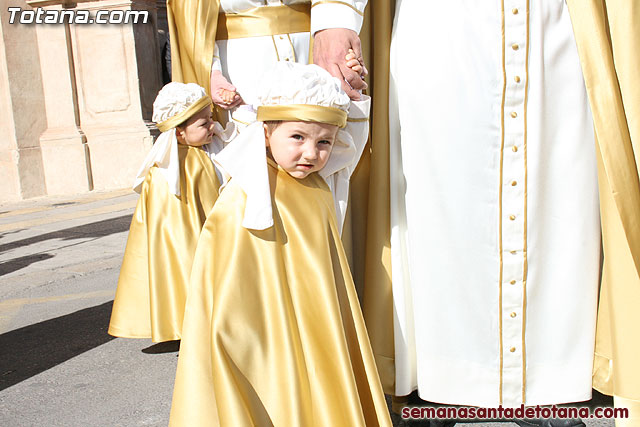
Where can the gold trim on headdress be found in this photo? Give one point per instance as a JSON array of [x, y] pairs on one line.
[[303, 112], [179, 118]]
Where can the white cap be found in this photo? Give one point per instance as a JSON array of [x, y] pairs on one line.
[[293, 83], [176, 102]]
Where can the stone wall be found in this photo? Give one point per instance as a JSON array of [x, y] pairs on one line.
[[22, 115], [76, 99]]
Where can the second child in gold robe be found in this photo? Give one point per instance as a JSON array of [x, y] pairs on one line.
[[178, 187]]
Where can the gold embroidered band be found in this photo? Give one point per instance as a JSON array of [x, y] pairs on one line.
[[264, 21], [303, 112], [179, 118]]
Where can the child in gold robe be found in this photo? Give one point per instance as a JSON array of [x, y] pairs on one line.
[[178, 187], [273, 331]]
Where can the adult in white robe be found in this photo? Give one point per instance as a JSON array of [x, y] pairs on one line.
[[495, 232]]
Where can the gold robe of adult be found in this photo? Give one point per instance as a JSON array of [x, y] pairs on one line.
[[152, 288], [607, 37], [274, 334], [192, 30]]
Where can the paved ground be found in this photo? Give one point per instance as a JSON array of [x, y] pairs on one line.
[[59, 263]]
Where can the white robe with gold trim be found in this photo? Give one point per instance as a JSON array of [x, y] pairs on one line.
[[494, 206]]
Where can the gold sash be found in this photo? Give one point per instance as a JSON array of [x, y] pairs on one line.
[[265, 21]]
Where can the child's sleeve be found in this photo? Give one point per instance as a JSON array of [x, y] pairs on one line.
[[358, 128], [346, 154], [216, 65]]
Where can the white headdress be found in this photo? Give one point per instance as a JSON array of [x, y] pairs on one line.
[[175, 103], [295, 92]]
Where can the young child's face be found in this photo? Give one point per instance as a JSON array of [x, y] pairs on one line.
[[301, 148], [198, 130]]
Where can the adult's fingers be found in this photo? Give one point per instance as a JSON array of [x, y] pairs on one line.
[[353, 79], [229, 106], [365, 71], [224, 84], [216, 98], [356, 46], [336, 71]]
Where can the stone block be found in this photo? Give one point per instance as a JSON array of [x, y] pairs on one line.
[[66, 161], [116, 156]]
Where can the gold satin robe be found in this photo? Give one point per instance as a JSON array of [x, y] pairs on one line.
[[152, 288], [607, 36], [273, 331]]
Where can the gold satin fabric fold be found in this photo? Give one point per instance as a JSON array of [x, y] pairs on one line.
[[265, 21], [183, 116], [372, 236], [152, 287], [607, 36], [192, 29], [304, 112], [274, 334]]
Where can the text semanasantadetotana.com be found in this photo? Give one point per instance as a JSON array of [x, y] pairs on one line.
[[79, 16], [449, 412]]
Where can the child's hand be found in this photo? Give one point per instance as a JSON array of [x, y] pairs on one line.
[[223, 93], [227, 96], [355, 64]]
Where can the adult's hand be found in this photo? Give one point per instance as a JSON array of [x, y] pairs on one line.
[[223, 93], [330, 47]]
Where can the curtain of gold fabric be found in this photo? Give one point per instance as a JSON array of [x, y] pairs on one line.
[[377, 299], [192, 29], [607, 35]]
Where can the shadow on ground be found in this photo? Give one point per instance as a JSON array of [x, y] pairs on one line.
[[22, 262], [28, 351], [163, 347], [95, 229]]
